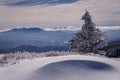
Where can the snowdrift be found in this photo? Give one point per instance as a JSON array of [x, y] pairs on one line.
[[71, 67]]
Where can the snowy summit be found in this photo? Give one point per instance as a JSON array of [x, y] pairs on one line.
[[73, 67]]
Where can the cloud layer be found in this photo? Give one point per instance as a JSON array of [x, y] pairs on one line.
[[55, 13], [36, 2]]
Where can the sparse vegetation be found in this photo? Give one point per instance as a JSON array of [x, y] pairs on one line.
[[13, 58]]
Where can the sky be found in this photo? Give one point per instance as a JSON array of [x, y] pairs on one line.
[[57, 13]]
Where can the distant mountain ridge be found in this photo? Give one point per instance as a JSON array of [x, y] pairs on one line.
[[25, 30], [33, 36], [37, 37]]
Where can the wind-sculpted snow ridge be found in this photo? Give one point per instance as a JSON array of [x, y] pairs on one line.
[[73, 70], [70, 67]]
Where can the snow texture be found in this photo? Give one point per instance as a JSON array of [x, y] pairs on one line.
[[72, 67]]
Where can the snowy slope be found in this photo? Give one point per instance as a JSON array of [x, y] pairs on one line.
[[71, 67]]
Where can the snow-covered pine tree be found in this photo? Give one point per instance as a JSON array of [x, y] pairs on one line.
[[89, 38]]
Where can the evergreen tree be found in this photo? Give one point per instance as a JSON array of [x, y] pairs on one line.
[[89, 38]]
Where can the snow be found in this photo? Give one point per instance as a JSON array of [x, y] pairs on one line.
[[1, 55], [70, 67]]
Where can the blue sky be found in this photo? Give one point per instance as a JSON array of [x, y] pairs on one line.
[[57, 13]]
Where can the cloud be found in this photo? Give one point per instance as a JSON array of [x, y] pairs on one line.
[[103, 13], [36, 2]]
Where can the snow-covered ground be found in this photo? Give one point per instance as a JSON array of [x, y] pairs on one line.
[[1, 55], [70, 67]]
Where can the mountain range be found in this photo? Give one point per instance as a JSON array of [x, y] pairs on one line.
[[15, 39]]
